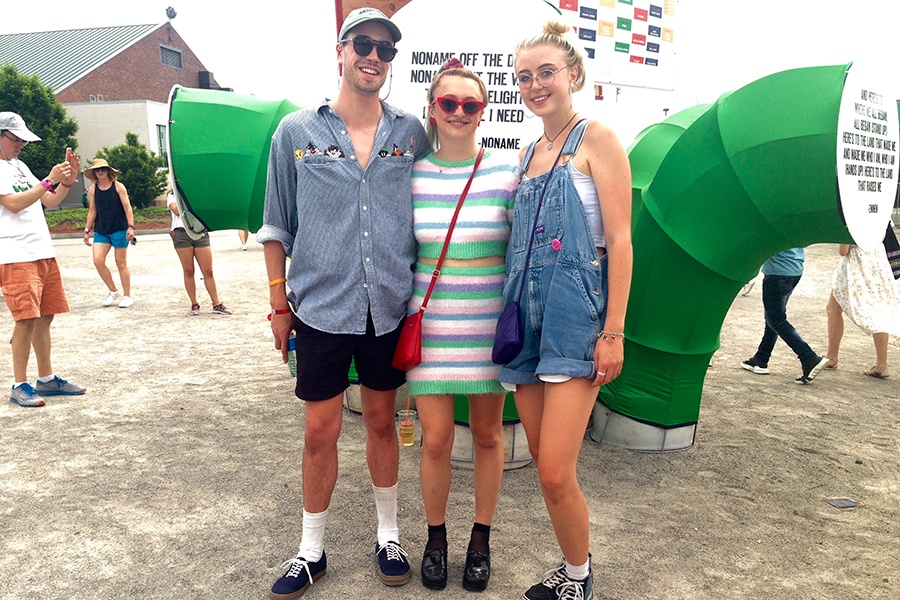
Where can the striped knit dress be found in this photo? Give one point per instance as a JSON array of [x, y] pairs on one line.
[[459, 323]]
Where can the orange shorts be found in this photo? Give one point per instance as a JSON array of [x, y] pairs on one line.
[[33, 289]]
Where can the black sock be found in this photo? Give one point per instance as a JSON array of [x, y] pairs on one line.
[[437, 537], [480, 540]]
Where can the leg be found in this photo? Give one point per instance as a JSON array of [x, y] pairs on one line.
[[530, 406], [40, 340], [773, 304], [124, 273], [382, 447], [243, 235], [881, 355], [566, 411], [835, 329], [436, 417], [776, 317], [204, 261], [320, 455], [99, 253], [186, 256], [486, 423], [21, 348]]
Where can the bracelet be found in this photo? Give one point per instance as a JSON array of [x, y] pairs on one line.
[[130, 225], [275, 282], [86, 231], [47, 184], [611, 335], [66, 186], [278, 311]]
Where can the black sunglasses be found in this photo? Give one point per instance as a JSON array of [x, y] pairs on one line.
[[448, 105], [363, 45], [101, 169]]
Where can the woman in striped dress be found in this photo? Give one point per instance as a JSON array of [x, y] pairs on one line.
[[458, 326]]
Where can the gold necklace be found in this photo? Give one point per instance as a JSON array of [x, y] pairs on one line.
[[550, 145]]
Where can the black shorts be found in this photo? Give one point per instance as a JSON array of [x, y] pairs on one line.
[[323, 361]]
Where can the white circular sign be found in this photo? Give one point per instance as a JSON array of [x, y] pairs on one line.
[[867, 142]]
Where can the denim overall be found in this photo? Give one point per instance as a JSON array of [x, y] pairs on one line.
[[563, 305]]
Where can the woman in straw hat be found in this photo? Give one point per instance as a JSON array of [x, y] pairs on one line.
[[109, 211]]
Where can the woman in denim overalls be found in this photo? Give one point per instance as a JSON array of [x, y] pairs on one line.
[[576, 289]]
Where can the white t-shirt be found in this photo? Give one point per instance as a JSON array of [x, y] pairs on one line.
[[24, 236], [176, 220]]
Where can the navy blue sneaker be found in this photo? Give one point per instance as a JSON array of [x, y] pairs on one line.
[[544, 590], [57, 387], [301, 574], [393, 568], [575, 590]]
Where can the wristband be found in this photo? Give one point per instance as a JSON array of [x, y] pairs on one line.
[[66, 186], [47, 184], [87, 231], [278, 311], [275, 282], [130, 225]]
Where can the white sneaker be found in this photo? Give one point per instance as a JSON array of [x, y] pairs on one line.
[[126, 302], [110, 298]]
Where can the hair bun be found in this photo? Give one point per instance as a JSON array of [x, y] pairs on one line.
[[556, 28], [453, 63]]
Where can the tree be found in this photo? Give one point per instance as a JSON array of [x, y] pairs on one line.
[[43, 114], [141, 171]]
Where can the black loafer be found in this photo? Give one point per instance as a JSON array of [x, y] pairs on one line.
[[477, 572], [434, 569]]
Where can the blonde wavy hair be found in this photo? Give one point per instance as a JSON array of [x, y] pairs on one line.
[[554, 34]]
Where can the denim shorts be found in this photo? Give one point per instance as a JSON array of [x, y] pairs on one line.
[[116, 239]]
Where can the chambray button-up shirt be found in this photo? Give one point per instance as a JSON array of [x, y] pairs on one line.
[[349, 233]]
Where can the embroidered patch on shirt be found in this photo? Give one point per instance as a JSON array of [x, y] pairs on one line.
[[334, 152], [298, 154], [396, 151], [311, 149], [383, 152]]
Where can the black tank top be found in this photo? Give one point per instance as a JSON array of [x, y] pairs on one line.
[[110, 212]]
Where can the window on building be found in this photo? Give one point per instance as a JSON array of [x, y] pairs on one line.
[[170, 57], [161, 138]]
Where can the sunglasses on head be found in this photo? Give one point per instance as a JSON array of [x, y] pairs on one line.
[[363, 45], [448, 105]]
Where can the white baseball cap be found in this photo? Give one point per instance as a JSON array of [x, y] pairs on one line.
[[10, 121], [363, 15]]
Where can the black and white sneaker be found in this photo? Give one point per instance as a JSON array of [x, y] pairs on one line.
[[812, 369], [545, 589], [751, 364], [575, 590]]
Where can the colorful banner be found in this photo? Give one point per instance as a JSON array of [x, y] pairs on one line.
[[628, 42]]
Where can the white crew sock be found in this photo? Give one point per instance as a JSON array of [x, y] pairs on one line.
[[386, 505], [312, 542], [578, 573], [47, 379]]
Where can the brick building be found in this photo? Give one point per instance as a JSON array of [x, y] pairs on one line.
[[111, 80]]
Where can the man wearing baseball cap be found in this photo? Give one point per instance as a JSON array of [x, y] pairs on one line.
[[339, 203], [29, 275]]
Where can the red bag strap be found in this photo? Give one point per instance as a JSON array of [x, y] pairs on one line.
[[440, 262]]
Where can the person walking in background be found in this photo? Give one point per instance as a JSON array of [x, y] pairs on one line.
[[29, 276], [109, 213], [338, 201], [458, 327], [244, 235], [864, 288], [571, 242], [781, 274], [189, 250]]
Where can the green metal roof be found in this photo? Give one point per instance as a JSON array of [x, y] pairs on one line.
[[59, 58]]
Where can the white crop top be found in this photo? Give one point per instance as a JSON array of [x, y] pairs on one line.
[[587, 191]]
